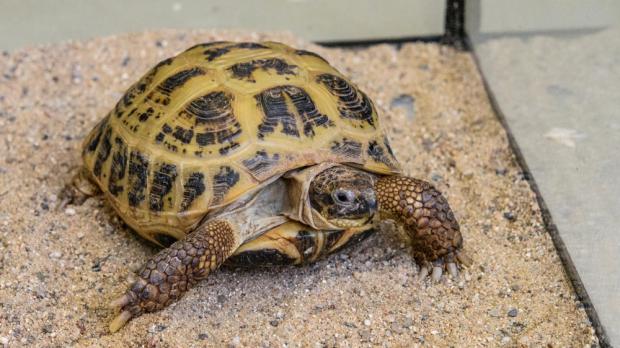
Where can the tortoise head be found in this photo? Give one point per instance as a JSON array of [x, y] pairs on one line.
[[344, 196]]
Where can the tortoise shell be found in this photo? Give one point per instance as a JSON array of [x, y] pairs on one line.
[[219, 120]]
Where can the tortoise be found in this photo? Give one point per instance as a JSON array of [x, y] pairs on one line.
[[252, 153]]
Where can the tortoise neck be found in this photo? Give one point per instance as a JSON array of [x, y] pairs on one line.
[[258, 211]]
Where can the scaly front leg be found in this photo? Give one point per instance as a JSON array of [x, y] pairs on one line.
[[427, 218], [169, 274]]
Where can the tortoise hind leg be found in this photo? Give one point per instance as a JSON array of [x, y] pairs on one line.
[[293, 243], [168, 275], [78, 190]]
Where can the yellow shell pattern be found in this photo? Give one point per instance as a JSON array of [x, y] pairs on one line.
[[204, 127]]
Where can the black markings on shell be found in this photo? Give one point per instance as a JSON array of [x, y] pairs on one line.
[[178, 134], [386, 143], [379, 154], [352, 103], [138, 88], [159, 137], [206, 45], [171, 147], [248, 45], [192, 189], [306, 109], [92, 145], [158, 98], [163, 180], [118, 167], [261, 163], [309, 53], [215, 122], [131, 93], [275, 109], [246, 69], [275, 112], [214, 112], [216, 52], [183, 135], [138, 176], [224, 150], [347, 148], [222, 182], [129, 97], [103, 152], [166, 61], [178, 80], [144, 116]]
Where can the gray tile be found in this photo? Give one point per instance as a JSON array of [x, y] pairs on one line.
[[560, 94]]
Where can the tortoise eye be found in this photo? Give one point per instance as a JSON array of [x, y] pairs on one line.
[[343, 196]]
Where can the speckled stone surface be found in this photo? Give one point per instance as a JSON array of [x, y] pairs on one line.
[[58, 270]]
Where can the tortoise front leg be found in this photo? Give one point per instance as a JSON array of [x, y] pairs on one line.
[[168, 275], [428, 220]]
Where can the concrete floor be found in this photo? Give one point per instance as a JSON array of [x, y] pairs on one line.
[[559, 93]]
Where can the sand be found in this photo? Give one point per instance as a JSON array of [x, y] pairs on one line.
[[58, 270]]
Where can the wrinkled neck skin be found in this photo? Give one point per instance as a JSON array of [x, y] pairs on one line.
[[257, 211], [276, 202]]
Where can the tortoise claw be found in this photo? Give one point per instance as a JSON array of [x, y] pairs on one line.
[[453, 270], [70, 195], [120, 321], [449, 263], [128, 306], [437, 272], [424, 270], [66, 196]]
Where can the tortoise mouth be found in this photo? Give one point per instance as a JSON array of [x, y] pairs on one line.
[[349, 223]]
